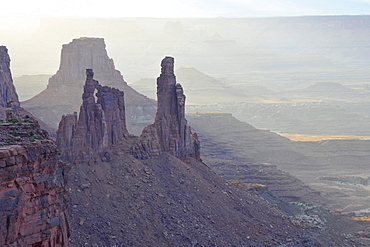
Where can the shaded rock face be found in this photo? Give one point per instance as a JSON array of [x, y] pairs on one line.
[[67, 83], [101, 129], [33, 199]]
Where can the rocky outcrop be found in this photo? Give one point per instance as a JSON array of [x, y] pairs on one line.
[[7, 89], [32, 176], [67, 83], [101, 129], [170, 131], [32, 195], [33, 199]]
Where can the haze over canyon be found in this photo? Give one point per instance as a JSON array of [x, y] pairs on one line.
[[186, 132]]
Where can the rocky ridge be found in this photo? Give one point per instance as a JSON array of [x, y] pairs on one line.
[[167, 202], [100, 129], [33, 199]]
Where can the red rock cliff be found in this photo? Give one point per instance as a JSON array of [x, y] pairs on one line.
[[33, 198], [32, 195]]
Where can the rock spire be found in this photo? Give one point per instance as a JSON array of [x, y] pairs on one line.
[[101, 126], [101, 123], [7, 89], [173, 134], [66, 86]]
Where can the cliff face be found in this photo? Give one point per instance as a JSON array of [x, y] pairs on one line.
[[66, 86], [32, 177], [101, 129], [32, 196]]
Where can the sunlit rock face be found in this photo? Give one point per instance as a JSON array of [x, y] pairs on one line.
[[100, 129]]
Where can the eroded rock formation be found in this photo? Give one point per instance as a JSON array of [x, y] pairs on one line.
[[100, 128], [7, 89], [101, 123], [170, 131], [33, 198], [66, 86]]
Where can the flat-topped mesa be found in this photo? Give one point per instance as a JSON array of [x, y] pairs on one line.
[[67, 83], [7, 88], [170, 131], [100, 126], [85, 53]]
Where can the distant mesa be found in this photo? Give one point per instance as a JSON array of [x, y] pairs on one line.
[[327, 87], [200, 88], [101, 125]]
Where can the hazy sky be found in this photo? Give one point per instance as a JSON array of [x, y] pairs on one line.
[[180, 8]]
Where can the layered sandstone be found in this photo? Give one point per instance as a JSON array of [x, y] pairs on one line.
[[66, 85], [100, 128], [33, 198]]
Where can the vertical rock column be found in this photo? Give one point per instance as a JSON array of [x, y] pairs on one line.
[[7, 89], [170, 131]]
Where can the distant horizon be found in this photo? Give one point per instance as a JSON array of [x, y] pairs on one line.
[[21, 9]]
